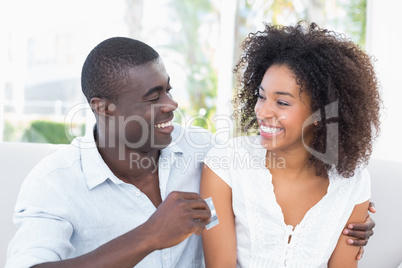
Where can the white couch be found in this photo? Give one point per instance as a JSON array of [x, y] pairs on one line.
[[16, 160], [384, 248]]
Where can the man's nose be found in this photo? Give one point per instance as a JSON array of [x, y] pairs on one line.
[[170, 105]]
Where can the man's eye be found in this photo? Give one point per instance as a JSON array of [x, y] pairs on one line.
[[154, 98]]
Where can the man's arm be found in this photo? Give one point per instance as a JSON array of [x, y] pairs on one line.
[[344, 254], [178, 217], [360, 232]]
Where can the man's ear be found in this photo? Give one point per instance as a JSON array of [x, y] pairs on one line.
[[102, 107]]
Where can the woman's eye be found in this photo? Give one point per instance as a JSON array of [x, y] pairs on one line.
[[282, 103], [260, 96]]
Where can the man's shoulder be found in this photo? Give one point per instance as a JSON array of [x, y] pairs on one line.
[[62, 159], [192, 138]]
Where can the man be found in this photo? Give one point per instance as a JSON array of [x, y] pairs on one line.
[[128, 194]]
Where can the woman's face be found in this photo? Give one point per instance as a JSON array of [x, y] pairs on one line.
[[281, 111]]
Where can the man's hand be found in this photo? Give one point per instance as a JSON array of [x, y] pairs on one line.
[[179, 216], [361, 232]]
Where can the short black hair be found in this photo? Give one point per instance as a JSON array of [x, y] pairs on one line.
[[328, 67], [105, 69]]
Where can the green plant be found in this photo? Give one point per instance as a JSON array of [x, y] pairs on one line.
[[9, 131], [42, 131], [201, 78]]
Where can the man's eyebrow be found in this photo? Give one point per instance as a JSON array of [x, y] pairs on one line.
[[156, 89], [152, 90]]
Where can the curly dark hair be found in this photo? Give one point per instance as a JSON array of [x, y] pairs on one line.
[[106, 67], [330, 68]]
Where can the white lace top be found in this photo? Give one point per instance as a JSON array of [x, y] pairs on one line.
[[262, 235]]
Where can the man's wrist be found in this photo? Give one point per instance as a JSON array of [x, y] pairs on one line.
[[149, 240]]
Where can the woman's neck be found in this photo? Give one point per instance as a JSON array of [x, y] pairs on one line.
[[292, 164]]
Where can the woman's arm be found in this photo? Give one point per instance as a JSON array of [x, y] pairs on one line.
[[219, 243], [344, 255], [361, 232]]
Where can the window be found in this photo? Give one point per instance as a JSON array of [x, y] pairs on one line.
[[47, 42]]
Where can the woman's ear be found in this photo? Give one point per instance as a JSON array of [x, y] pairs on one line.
[[102, 107]]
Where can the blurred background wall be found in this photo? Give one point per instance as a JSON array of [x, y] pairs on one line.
[[43, 44]]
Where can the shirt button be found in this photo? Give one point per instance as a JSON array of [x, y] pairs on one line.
[[137, 193], [165, 257]]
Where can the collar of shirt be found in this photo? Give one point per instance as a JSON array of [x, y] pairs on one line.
[[95, 169]]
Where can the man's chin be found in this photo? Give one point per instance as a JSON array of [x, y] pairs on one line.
[[161, 143], [150, 145]]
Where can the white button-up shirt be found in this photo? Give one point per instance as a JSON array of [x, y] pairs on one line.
[[71, 203]]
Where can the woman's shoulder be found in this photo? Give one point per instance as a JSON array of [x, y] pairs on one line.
[[357, 186], [359, 175]]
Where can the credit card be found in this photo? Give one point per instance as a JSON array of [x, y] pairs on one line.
[[214, 217]]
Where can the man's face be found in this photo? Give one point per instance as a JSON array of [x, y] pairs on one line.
[[143, 113]]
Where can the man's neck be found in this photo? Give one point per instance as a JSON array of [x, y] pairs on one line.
[[135, 167], [128, 163]]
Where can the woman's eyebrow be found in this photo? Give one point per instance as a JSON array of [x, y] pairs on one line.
[[285, 93]]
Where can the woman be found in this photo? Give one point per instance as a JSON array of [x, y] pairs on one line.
[[283, 197]]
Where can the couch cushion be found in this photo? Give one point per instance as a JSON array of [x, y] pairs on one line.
[[16, 161], [385, 247]]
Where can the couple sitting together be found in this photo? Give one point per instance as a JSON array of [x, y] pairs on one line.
[[294, 192]]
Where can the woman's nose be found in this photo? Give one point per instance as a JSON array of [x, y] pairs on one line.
[[265, 111]]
